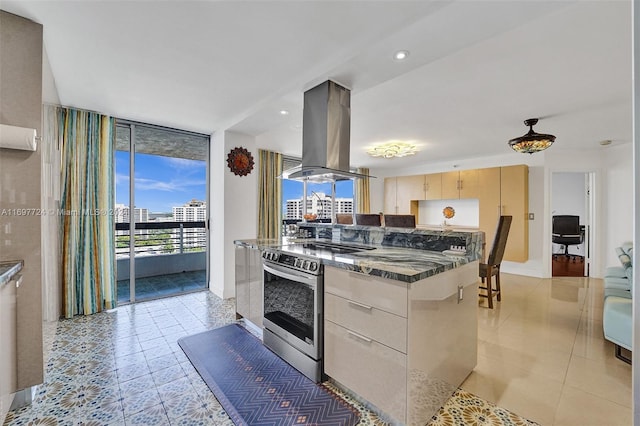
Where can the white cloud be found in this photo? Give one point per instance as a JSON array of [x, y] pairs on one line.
[[174, 185]]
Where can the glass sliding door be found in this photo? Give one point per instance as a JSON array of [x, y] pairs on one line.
[[166, 211]]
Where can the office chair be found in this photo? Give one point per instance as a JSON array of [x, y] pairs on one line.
[[566, 231]]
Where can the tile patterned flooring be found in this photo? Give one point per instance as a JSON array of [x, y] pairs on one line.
[[163, 285], [541, 354]]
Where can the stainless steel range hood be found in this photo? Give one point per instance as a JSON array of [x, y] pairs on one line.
[[326, 127]]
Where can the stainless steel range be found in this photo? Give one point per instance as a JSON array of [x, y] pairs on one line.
[[293, 303]]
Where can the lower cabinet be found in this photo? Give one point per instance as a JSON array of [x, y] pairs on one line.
[[8, 343], [407, 356], [248, 262]]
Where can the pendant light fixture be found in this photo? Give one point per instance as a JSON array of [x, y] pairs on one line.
[[532, 141]]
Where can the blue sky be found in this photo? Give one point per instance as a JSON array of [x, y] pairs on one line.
[[161, 182]]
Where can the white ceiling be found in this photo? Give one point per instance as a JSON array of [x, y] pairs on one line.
[[476, 69]]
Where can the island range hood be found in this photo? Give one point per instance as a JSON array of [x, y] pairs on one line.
[[326, 127]]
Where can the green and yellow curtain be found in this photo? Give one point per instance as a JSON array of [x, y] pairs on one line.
[[269, 194], [362, 192], [87, 203]]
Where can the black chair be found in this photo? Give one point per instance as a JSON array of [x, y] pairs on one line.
[[492, 267], [368, 219], [400, 220], [566, 231]]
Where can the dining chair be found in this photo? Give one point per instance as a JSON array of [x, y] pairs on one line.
[[400, 220], [492, 267], [368, 219]]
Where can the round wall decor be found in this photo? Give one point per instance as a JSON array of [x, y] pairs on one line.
[[240, 161]]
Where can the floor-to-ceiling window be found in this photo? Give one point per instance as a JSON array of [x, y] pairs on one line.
[[161, 200]]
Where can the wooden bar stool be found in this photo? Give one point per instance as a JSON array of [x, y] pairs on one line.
[[492, 267]]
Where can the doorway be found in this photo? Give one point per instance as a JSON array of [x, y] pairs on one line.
[[160, 211], [571, 200]]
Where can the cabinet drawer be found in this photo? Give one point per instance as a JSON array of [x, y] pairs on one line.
[[374, 371], [387, 295], [388, 329]]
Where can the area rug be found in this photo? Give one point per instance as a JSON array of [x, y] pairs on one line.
[[256, 387]]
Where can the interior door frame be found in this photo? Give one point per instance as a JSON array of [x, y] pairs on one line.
[[592, 228]]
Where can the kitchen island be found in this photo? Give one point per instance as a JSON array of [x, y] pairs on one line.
[[400, 318]]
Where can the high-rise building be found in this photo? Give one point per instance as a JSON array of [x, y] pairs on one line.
[[319, 204], [122, 214], [193, 211]]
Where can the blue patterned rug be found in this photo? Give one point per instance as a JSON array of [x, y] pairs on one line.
[[256, 387]]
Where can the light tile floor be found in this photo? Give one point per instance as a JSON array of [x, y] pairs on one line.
[[541, 354]]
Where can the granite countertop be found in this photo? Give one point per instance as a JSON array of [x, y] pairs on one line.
[[8, 269], [395, 263]]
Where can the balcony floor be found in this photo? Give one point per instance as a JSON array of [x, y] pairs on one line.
[[163, 285]]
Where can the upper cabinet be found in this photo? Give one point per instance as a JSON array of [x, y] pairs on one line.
[[433, 186], [390, 192], [408, 189], [462, 184]]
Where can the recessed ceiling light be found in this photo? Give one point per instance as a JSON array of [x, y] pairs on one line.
[[284, 112], [401, 55]]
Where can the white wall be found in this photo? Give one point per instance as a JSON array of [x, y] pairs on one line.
[[568, 197], [233, 210], [618, 200], [467, 212]]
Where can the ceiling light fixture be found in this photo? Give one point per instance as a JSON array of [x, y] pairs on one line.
[[401, 55], [393, 149], [532, 141], [284, 112]]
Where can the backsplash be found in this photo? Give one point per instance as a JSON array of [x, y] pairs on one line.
[[420, 239]]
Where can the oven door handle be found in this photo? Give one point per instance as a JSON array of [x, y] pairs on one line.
[[309, 280]]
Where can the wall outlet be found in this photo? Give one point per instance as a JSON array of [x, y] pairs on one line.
[[530, 216]]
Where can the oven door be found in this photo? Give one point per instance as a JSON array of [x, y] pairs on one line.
[[293, 308]]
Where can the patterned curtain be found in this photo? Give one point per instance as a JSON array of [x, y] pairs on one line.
[[270, 194], [87, 202], [362, 192]]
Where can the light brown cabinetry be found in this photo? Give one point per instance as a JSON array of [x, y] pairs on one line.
[[514, 201], [399, 192], [499, 190], [488, 203], [417, 339], [433, 186], [390, 195], [462, 184]]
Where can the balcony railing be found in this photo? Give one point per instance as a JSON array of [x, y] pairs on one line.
[[155, 238]]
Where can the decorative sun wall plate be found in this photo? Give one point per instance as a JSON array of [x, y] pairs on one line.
[[448, 212], [240, 161]]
